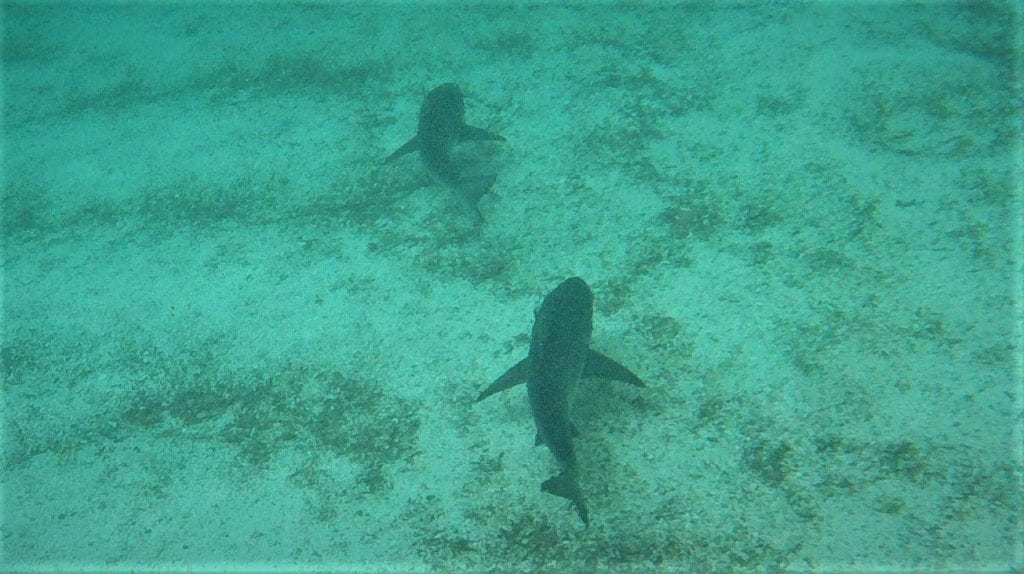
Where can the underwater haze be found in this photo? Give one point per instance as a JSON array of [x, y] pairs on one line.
[[233, 339]]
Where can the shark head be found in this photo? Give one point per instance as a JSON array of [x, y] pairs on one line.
[[443, 109], [568, 311]]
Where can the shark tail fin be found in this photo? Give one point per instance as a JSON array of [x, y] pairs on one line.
[[566, 486]]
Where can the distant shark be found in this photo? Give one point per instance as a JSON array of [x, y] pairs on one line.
[[560, 355], [442, 125]]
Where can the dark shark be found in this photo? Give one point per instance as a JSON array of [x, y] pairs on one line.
[[442, 125], [560, 356]]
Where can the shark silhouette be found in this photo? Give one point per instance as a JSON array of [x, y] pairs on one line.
[[442, 125], [560, 356]]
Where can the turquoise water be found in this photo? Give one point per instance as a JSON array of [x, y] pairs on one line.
[[233, 340]]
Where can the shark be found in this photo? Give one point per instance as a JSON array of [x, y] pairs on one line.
[[559, 358], [442, 124]]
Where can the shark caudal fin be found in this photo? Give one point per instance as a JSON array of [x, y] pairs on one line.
[[566, 486]]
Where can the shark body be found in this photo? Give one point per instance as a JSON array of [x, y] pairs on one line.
[[442, 124], [559, 357]]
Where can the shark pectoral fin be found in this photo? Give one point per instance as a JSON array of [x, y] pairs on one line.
[[565, 485], [512, 377], [409, 146], [600, 366], [469, 133]]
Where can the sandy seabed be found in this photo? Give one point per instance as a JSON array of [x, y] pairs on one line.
[[234, 341]]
